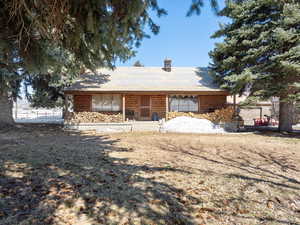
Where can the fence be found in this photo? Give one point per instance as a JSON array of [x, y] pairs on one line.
[[38, 115]]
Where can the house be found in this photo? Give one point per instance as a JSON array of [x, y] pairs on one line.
[[146, 93]]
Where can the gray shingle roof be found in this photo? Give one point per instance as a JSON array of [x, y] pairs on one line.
[[146, 79]]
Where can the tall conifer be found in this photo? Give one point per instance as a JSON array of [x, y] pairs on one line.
[[261, 52]]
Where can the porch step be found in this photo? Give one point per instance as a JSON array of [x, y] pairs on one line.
[[146, 126]]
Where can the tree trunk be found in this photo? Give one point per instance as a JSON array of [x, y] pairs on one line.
[[6, 117], [286, 116]]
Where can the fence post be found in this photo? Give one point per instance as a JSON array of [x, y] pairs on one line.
[[16, 110]]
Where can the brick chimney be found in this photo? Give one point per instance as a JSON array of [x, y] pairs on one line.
[[167, 65]]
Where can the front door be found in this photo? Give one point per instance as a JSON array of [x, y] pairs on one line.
[[145, 107]]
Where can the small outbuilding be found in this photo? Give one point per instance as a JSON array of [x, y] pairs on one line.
[[146, 93]]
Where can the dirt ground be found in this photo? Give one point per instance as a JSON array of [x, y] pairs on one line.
[[51, 176]]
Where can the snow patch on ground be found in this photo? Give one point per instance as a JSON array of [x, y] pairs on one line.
[[184, 124]]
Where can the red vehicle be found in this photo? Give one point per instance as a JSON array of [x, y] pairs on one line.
[[267, 121]]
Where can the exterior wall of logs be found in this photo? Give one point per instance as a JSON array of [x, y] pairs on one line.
[[145, 105]]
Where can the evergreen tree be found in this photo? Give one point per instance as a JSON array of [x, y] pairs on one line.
[[261, 52], [48, 43]]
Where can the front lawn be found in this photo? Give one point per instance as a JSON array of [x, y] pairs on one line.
[[50, 176]]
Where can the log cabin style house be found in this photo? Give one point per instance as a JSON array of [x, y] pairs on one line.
[[146, 93]]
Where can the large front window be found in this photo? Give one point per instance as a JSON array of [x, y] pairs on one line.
[[106, 103], [180, 103]]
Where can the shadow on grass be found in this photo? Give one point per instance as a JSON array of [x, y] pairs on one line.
[[273, 171], [249, 162], [295, 134], [280, 135], [48, 176]]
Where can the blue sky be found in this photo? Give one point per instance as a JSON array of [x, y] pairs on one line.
[[186, 40]]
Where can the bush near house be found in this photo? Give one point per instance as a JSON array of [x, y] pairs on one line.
[[94, 117], [219, 115]]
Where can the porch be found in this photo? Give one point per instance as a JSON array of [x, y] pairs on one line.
[[143, 106], [133, 107]]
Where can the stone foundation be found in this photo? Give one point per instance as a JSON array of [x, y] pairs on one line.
[[101, 127]]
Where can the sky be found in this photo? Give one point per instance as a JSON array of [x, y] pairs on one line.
[[186, 40]]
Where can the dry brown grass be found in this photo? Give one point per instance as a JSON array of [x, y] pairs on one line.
[[48, 176]]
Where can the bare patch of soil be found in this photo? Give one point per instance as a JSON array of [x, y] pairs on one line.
[[49, 176]]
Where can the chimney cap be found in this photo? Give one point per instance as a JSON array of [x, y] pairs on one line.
[[167, 64]]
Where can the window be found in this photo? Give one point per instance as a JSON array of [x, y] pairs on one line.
[[183, 104], [106, 103]]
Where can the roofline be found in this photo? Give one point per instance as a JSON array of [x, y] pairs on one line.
[[202, 92]]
